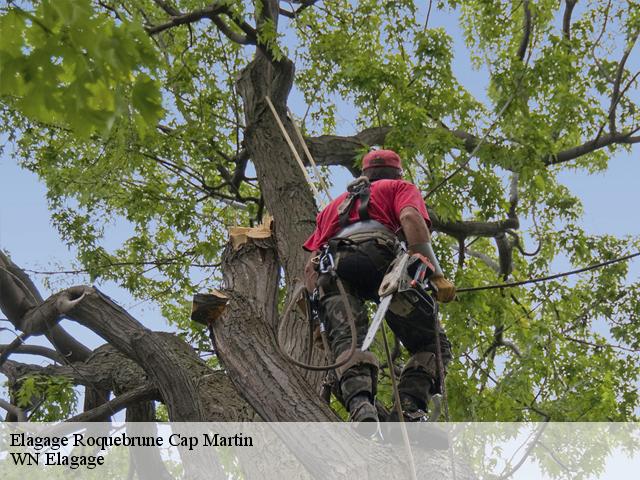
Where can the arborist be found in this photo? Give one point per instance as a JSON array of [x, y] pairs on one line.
[[361, 230]]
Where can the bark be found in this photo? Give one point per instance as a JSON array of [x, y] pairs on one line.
[[343, 151], [184, 381], [464, 229], [246, 342], [288, 197], [139, 415]]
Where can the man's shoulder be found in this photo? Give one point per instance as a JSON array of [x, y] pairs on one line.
[[393, 185]]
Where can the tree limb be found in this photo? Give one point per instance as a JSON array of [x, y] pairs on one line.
[[230, 34], [463, 229], [616, 96], [524, 43], [591, 146], [293, 14], [19, 296], [566, 18], [505, 254], [341, 150], [212, 12], [170, 9], [12, 409], [104, 411], [80, 374], [36, 350], [194, 16], [146, 462]]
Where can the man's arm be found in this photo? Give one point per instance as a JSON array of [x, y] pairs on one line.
[[419, 241], [414, 227]]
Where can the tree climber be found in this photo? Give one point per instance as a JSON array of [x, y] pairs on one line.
[[362, 228]]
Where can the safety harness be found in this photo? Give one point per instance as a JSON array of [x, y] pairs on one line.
[[359, 189]]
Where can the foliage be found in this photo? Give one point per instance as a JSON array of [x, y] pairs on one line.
[[53, 397], [64, 64], [93, 133]]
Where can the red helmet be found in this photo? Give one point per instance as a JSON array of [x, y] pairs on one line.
[[381, 158]]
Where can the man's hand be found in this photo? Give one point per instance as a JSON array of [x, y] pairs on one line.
[[445, 290]]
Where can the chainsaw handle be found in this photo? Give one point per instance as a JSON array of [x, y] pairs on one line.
[[418, 277]]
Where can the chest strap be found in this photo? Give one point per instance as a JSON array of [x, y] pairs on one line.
[[360, 188]]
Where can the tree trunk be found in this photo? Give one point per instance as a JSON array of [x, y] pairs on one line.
[[246, 340]]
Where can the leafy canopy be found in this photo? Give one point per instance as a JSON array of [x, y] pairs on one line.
[[144, 133]]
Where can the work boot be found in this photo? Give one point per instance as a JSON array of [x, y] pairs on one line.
[[364, 415], [415, 411], [412, 410]]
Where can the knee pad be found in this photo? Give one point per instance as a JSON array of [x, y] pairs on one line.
[[358, 375], [358, 358], [424, 361]]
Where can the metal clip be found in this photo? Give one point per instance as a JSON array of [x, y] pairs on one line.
[[327, 264]]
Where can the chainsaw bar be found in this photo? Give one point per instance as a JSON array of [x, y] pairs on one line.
[[377, 321]]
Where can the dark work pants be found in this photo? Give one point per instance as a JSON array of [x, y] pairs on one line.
[[361, 268]]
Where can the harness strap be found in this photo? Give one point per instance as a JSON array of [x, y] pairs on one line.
[[363, 209], [358, 189]]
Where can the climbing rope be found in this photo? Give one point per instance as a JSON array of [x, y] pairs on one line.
[[295, 153], [549, 277], [352, 328]]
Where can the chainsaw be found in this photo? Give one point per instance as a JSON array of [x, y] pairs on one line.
[[404, 288]]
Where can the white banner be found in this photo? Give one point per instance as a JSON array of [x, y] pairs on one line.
[[318, 450]]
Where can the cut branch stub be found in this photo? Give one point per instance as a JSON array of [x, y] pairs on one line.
[[208, 307], [241, 235]]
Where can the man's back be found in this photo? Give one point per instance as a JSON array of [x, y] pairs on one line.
[[388, 198]]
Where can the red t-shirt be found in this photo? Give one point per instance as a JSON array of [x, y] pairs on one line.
[[388, 198]]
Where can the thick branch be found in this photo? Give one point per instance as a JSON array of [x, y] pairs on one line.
[[230, 34], [18, 296], [11, 409], [293, 14], [513, 195], [463, 229], [80, 374], [190, 389], [194, 16], [212, 12], [97, 312], [94, 397], [505, 254], [566, 19], [524, 43], [36, 350], [167, 7], [338, 150], [591, 146], [147, 462]]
